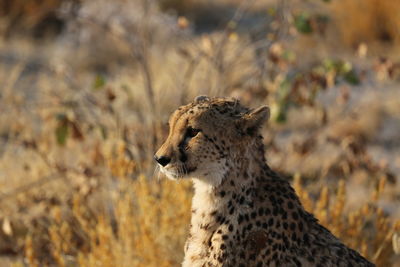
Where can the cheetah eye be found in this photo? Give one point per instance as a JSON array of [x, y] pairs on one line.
[[191, 132]]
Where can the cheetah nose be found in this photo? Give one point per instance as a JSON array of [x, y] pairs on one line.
[[163, 160]]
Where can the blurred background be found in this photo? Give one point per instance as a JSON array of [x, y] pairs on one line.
[[86, 89]]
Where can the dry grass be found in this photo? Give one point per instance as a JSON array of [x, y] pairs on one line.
[[32, 17], [149, 222], [146, 227], [369, 21], [367, 229]]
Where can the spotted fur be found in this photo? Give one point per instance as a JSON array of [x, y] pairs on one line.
[[243, 213]]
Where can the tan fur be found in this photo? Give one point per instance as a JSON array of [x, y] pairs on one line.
[[243, 213]]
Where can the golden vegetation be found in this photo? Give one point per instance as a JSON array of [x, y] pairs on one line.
[[366, 229], [147, 226], [369, 21]]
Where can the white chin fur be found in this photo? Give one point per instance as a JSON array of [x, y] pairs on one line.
[[213, 174], [170, 174]]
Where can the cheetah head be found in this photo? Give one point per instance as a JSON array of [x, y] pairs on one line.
[[204, 137]]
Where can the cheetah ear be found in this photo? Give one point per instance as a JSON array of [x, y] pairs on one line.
[[201, 98], [252, 121]]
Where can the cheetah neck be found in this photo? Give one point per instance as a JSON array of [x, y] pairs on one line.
[[240, 176], [212, 205], [252, 205]]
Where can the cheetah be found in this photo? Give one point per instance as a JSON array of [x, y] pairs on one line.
[[243, 213]]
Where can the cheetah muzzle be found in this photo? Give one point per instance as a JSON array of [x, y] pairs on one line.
[[243, 213]]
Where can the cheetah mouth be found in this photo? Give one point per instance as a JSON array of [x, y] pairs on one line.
[[178, 172], [190, 170]]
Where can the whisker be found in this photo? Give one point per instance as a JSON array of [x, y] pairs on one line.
[[185, 169], [181, 170], [158, 173], [156, 168]]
